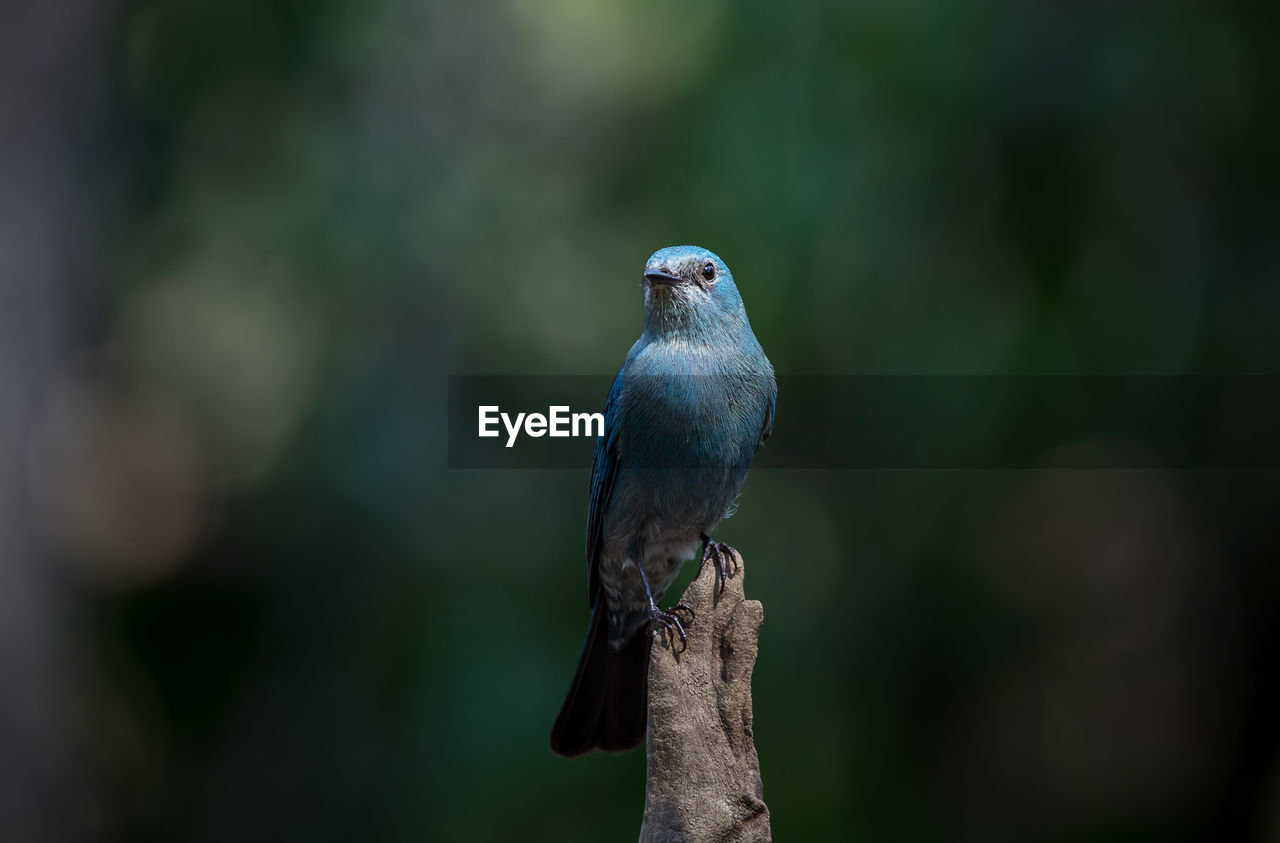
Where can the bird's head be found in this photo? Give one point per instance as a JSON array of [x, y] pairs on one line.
[[686, 289]]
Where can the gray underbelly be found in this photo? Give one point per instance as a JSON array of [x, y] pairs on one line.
[[664, 513], [624, 590]]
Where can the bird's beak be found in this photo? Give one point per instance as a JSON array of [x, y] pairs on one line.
[[658, 276]]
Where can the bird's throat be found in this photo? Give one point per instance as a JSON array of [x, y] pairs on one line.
[[668, 313]]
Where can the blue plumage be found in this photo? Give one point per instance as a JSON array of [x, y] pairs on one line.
[[693, 401]]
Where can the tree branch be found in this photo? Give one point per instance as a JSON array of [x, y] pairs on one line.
[[703, 774]]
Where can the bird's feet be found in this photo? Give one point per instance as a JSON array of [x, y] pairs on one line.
[[722, 556], [670, 622]]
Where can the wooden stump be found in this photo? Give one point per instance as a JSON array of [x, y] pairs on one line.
[[703, 779]]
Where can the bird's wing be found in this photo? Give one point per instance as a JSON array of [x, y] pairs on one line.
[[767, 430], [604, 470]]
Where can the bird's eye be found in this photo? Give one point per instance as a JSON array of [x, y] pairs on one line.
[[708, 270]]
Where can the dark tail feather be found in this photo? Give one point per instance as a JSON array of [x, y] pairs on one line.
[[606, 705]]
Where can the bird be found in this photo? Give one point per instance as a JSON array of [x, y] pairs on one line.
[[691, 405]]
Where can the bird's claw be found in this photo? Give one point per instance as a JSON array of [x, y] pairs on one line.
[[725, 559], [670, 621]]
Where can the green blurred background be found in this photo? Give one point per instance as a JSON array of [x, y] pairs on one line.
[[244, 244]]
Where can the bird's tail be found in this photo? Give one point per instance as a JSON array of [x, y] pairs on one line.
[[606, 705]]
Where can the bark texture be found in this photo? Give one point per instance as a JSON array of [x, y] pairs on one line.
[[703, 774]]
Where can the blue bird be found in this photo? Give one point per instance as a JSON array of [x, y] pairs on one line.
[[692, 403]]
